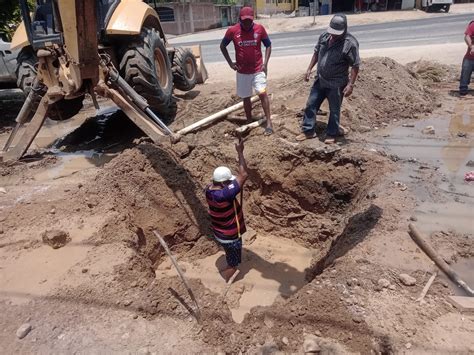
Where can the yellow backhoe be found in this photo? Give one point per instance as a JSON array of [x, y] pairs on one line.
[[115, 49]]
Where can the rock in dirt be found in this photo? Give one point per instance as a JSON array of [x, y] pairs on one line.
[[23, 330], [364, 129], [428, 130], [269, 347], [2, 190], [410, 125], [401, 185], [182, 149], [408, 345], [357, 319], [470, 163], [384, 283], [127, 303], [285, 340], [407, 280], [310, 344], [55, 238], [268, 322]]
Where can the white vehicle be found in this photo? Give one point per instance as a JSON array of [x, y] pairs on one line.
[[7, 63], [436, 5]]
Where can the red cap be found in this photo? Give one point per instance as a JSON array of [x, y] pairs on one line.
[[246, 13]]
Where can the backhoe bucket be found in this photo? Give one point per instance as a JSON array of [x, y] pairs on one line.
[[202, 75]]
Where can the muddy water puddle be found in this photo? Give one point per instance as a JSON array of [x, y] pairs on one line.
[[447, 150], [271, 267], [71, 163], [464, 268]]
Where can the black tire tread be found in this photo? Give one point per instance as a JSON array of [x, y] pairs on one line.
[[181, 81], [137, 68]]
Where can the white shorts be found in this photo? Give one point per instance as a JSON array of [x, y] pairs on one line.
[[247, 83]]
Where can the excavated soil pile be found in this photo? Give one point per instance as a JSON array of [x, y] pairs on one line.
[[385, 91], [433, 72]]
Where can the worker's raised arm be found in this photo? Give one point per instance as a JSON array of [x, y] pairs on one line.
[[243, 171]]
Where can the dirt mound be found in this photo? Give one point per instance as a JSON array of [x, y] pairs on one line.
[[384, 91], [149, 189], [433, 72]]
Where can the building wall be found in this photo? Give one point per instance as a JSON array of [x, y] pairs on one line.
[[269, 7], [192, 17]]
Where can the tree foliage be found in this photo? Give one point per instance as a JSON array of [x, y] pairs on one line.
[[10, 15]]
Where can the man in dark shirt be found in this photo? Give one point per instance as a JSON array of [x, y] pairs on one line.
[[468, 61], [227, 219], [335, 52]]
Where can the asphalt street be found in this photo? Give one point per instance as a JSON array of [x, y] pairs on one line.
[[436, 30]]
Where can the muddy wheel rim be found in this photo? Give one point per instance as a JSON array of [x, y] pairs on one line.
[[189, 68], [160, 68]]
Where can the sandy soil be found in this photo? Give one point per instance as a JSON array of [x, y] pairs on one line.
[[322, 268]]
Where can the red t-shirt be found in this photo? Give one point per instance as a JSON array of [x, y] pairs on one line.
[[470, 32], [248, 46]]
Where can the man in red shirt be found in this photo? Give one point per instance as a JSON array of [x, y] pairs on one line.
[[249, 64], [468, 61]]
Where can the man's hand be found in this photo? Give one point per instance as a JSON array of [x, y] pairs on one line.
[[264, 68], [234, 66], [308, 75], [348, 90], [471, 50], [239, 147]]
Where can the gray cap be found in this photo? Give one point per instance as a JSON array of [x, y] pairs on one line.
[[337, 26]]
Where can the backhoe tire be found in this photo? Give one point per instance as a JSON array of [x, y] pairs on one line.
[[146, 67], [184, 69], [25, 70], [26, 73]]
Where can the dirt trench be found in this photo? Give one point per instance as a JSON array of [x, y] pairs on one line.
[[309, 197]]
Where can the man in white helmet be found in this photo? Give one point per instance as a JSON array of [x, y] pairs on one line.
[[227, 219]]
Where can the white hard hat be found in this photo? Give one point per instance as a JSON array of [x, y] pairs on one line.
[[221, 174]]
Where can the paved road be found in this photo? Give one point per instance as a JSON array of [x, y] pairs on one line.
[[438, 30]]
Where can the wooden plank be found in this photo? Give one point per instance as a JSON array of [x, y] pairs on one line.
[[464, 304]]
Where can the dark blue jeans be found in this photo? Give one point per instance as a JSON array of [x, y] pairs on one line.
[[233, 252], [315, 99], [467, 66]]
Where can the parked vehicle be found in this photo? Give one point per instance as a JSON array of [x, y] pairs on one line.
[[7, 63], [436, 5]]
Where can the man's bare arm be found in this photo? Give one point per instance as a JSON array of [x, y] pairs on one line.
[[225, 52], [312, 63], [243, 171]]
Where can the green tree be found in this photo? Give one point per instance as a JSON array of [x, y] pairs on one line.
[[10, 15]]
